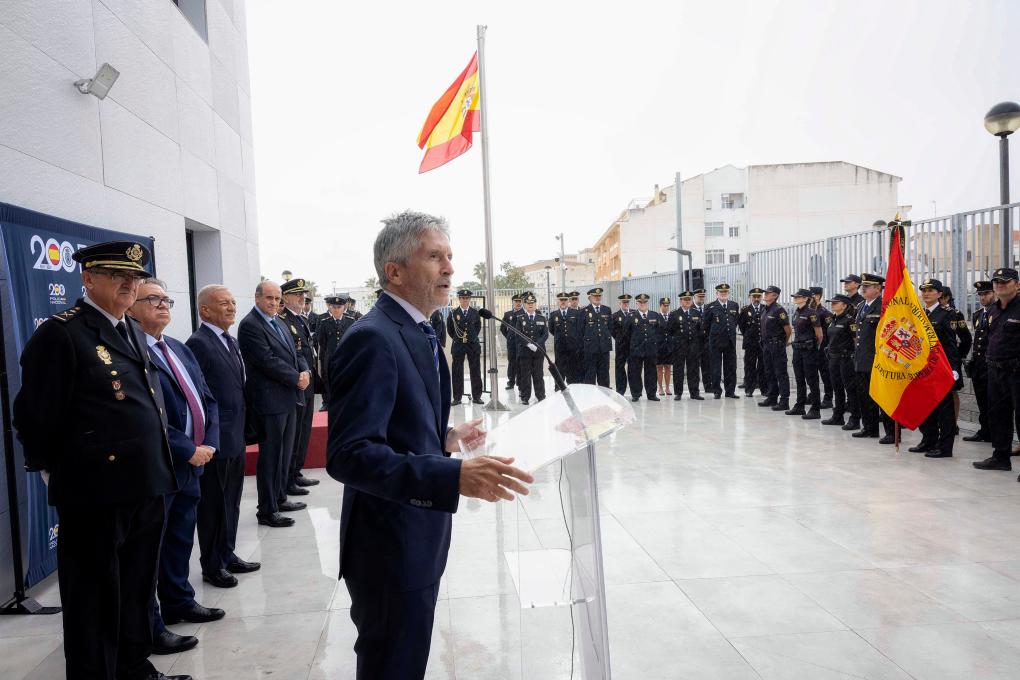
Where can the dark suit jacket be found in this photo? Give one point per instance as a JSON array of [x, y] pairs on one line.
[[387, 431], [272, 366], [226, 381], [182, 448]]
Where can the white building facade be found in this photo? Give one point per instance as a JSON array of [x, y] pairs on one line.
[[545, 283], [168, 153]]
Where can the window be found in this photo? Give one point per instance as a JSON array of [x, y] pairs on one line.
[[735, 231], [194, 12], [734, 258], [713, 228], [732, 201], [715, 256], [708, 204]]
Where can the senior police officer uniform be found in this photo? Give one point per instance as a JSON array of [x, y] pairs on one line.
[[684, 328], [938, 429], [109, 464], [566, 340], [976, 367], [775, 328], [301, 334], [824, 316], [530, 361], [720, 322], [620, 318], [464, 326], [749, 323], [642, 338], [597, 339], [327, 338], [840, 357], [510, 319], [1003, 360], [865, 327], [704, 360], [805, 323]]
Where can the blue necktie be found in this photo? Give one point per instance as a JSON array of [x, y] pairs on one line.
[[430, 333], [279, 331]]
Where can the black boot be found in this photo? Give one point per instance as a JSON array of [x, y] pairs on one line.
[[797, 410], [781, 405], [826, 402], [836, 419], [853, 424], [978, 436], [812, 414], [768, 401]]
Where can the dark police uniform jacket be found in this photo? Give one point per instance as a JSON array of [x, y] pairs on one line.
[[749, 323], [91, 413], [980, 345], [564, 330], [644, 334], [438, 325], [943, 321], [537, 331], [865, 326], [509, 319], [958, 322], [774, 320], [684, 328], [841, 336], [595, 323], [824, 318], [804, 321], [463, 328], [297, 325], [720, 322], [1004, 335], [327, 339], [619, 331]]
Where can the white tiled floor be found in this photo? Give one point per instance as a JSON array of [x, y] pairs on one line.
[[739, 544]]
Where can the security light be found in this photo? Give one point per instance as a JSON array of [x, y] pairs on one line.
[[99, 86]]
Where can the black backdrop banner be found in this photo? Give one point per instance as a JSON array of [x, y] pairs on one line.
[[40, 279]]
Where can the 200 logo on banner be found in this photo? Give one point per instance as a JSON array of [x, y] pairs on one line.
[[52, 255]]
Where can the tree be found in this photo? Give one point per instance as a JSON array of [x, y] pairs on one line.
[[371, 282], [511, 276]]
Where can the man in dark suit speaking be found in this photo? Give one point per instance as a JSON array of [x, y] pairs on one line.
[[389, 443]]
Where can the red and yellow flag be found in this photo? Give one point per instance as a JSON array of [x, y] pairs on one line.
[[447, 131], [911, 374]]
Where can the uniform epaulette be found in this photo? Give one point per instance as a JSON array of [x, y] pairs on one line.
[[67, 314]]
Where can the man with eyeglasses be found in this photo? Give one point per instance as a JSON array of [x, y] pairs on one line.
[[90, 415], [193, 431], [294, 294]]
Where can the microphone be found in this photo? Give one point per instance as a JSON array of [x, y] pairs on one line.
[[555, 372]]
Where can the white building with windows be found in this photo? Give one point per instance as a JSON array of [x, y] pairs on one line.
[[731, 211], [544, 276], [168, 153]]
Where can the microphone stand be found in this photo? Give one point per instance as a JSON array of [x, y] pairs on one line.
[[557, 377]]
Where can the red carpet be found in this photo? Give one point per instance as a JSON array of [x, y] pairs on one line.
[[316, 446]]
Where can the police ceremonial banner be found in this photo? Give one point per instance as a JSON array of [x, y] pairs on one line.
[[38, 279], [911, 374]]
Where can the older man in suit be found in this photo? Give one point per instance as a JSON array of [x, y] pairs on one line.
[[223, 479], [193, 432], [277, 376], [389, 443]]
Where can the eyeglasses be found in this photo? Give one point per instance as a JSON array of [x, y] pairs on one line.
[[120, 276], [156, 301]]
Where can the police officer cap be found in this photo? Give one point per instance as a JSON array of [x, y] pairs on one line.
[[947, 291], [642, 297], [574, 294], [463, 292], [872, 278], [699, 291], [774, 289], [686, 295], [931, 284], [562, 296], [626, 297], [851, 278], [663, 301], [334, 300], [723, 286], [802, 293], [816, 290], [841, 298], [1005, 274], [529, 299], [756, 291], [294, 286], [516, 297], [595, 291], [983, 286], [120, 255]]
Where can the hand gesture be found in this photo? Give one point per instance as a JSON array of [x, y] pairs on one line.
[[203, 454], [491, 478]]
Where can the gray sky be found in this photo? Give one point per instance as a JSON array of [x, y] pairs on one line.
[[591, 104]]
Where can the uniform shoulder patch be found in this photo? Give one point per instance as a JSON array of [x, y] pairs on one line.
[[67, 314], [782, 315]]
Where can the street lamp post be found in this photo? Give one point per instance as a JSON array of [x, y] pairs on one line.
[[548, 294], [1002, 120], [563, 263]]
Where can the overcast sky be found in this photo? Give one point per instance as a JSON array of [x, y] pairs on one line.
[[591, 104]]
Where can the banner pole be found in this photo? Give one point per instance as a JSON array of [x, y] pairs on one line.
[[490, 286]]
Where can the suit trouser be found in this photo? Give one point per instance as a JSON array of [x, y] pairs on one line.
[[939, 428], [107, 558], [686, 361], [642, 369], [979, 378], [754, 368], [274, 460], [844, 387], [529, 372], [621, 372], [1003, 408], [474, 355], [302, 434], [596, 368], [219, 509], [778, 377], [173, 588], [871, 414], [394, 631], [724, 365], [805, 372], [511, 366]]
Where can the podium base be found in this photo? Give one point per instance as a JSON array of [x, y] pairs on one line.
[[495, 405], [26, 606]]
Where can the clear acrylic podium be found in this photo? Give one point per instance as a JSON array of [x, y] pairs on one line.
[[552, 541]]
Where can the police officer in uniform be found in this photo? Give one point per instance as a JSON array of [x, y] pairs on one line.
[[964, 341], [720, 321], [684, 328], [1003, 360], [643, 348], [664, 362], [851, 288], [865, 325], [438, 327], [704, 362], [775, 336], [463, 326], [510, 319], [578, 363], [620, 318], [938, 429], [327, 338], [749, 323], [807, 336], [597, 339], [976, 368], [824, 316], [311, 318], [839, 356], [530, 368], [107, 465], [564, 329], [291, 319]]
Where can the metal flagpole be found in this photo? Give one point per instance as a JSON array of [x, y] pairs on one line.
[[490, 285]]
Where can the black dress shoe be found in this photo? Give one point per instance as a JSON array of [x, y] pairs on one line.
[[509, 386], [977, 437], [923, 447], [324, 407], [812, 414], [291, 506], [718, 395], [196, 613], [524, 401], [306, 481], [862, 434], [767, 402], [852, 424], [781, 405], [887, 439], [159, 676], [797, 410], [295, 490], [634, 398], [653, 398], [740, 386], [169, 642], [836, 419], [826, 403], [939, 454], [993, 463], [242, 567], [477, 400], [276, 520], [732, 396], [697, 397], [677, 398], [222, 579], [455, 402]]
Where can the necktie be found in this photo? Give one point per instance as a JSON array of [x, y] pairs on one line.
[[232, 346], [430, 333], [644, 316], [276, 327], [122, 330], [197, 416], [531, 318]]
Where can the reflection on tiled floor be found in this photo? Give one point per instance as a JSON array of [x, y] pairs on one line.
[[739, 543]]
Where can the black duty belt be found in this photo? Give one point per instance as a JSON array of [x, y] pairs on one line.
[[840, 355], [804, 344], [1007, 364]]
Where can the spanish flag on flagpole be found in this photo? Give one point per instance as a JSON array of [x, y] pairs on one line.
[[447, 131], [911, 374]]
